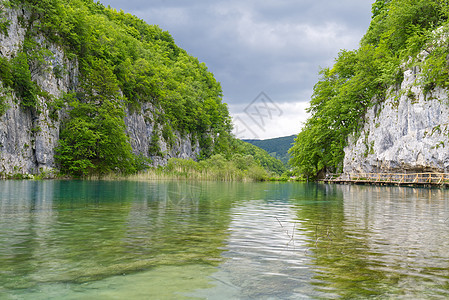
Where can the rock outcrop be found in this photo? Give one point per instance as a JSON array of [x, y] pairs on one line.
[[28, 137], [143, 132], [409, 132]]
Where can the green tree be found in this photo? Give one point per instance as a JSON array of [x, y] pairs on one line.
[[93, 140], [399, 30], [6, 82], [123, 62], [24, 87]]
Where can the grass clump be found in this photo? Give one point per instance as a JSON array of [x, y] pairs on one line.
[[215, 168]]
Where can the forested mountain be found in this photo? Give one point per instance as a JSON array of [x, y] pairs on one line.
[[276, 147], [401, 63], [261, 156], [85, 89]]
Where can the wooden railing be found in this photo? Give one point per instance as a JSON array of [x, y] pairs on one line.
[[392, 178]]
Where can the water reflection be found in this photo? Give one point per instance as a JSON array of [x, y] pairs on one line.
[[76, 232], [26, 215], [266, 254], [267, 250], [408, 236], [379, 241], [71, 239]]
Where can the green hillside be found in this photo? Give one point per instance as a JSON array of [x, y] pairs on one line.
[[276, 147], [121, 64]]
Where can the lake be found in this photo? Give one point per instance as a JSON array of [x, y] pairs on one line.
[[211, 240]]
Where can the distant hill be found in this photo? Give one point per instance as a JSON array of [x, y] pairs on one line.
[[277, 147]]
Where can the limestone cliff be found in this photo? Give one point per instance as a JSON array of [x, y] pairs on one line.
[[406, 133], [28, 136]]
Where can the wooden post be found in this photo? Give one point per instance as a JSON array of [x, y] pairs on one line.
[[399, 178]]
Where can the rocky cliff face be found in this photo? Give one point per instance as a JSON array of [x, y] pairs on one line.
[[28, 136], [144, 132], [407, 132]]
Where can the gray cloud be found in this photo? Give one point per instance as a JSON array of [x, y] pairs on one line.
[[275, 46]]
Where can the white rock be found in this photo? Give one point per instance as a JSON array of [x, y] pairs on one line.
[[28, 139], [406, 135]]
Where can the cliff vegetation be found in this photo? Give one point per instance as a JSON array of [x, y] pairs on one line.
[[403, 34], [120, 68]]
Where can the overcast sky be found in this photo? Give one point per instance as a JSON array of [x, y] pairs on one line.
[[266, 54]]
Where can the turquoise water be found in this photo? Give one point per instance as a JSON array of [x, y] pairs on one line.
[[204, 240]]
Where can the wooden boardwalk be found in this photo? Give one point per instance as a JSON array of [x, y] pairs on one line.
[[411, 179]]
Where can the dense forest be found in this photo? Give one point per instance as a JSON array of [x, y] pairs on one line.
[[276, 147], [249, 163], [399, 31], [123, 62]]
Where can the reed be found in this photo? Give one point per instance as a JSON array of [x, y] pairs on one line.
[[215, 168]]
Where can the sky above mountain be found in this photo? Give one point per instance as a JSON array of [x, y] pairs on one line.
[[266, 54]]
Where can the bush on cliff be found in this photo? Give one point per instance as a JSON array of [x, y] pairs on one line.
[[399, 30]]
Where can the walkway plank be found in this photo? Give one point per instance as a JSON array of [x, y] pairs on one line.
[[410, 179]]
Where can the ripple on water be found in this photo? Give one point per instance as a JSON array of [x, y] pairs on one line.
[[175, 240]]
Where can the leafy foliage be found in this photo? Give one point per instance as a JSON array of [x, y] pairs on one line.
[[24, 87], [238, 168], [123, 62], [6, 80], [146, 62], [276, 147], [93, 140], [4, 23], [399, 29], [16, 73], [260, 156], [228, 147], [6, 72]]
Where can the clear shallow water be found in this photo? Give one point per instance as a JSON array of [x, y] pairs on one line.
[[178, 240]]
